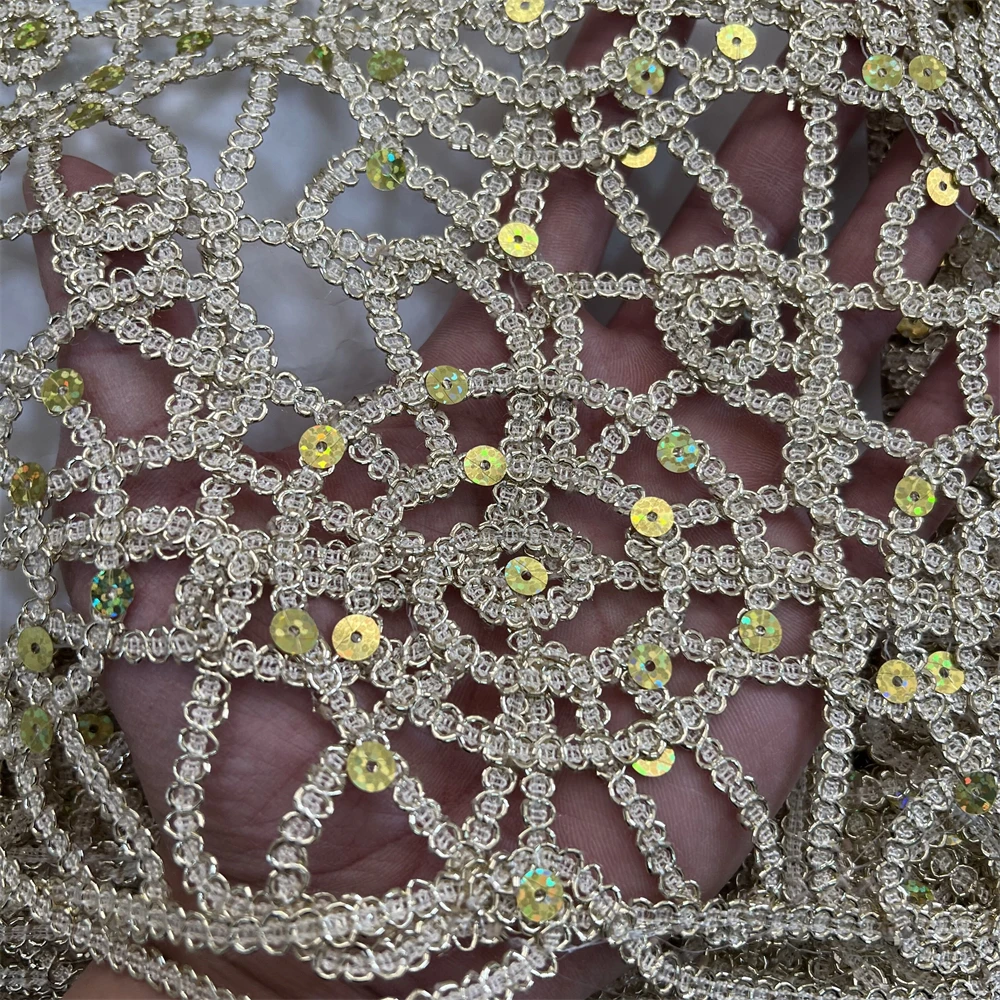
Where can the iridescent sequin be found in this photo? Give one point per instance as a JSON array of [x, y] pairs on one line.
[[321, 447], [948, 678], [371, 766], [652, 517], [540, 895], [385, 64], [650, 666], [736, 41], [447, 385], [62, 390], [678, 451], [36, 729], [882, 71], [386, 169], [28, 484], [914, 496], [96, 728], [897, 681], [35, 649], [102, 79], [927, 72], [111, 593], [85, 114], [484, 465], [356, 637], [525, 575], [193, 43], [918, 892], [915, 329], [976, 793], [759, 630], [659, 765], [645, 76], [322, 56], [517, 239], [523, 11], [30, 34], [293, 631]]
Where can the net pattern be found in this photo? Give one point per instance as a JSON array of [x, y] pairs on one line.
[[879, 875]]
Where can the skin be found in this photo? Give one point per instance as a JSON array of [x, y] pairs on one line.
[[771, 730]]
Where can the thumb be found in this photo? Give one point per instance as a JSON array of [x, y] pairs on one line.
[[117, 354]]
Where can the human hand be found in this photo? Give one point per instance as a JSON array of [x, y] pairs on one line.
[[273, 734]]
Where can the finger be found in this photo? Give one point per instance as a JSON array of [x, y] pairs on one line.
[[764, 156], [853, 255], [937, 407], [576, 223], [126, 390]]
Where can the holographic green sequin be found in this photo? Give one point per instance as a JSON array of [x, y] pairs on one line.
[[540, 896], [111, 593], [193, 43], [36, 729]]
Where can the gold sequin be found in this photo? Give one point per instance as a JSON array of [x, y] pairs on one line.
[[914, 496], [104, 78], [30, 34], [678, 451], [645, 76], [897, 681], [61, 391], [85, 114], [321, 447], [947, 677], [942, 187], [525, 575], [356, 637], [447, 385], [484, 465], [386, 169], [737, 41], [976, 792], [918, 892], [650, 665], [28, 484], [111, 593], [652, 517], [759, 630], [524, 11], [36, 729], [915, 329], [882, 71], [96, 729], [371, 766], [322, 56], [34, 649], [385, 64], [193, 43], [517, 239], [927, 72], [660, 765], [294, 631], [540, 895], [640, 157]]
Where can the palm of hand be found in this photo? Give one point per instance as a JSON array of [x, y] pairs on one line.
[[272, 736]]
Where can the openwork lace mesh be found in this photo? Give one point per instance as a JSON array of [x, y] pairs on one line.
[[878, 876]]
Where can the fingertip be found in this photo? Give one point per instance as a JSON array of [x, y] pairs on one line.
[[77, 174]]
